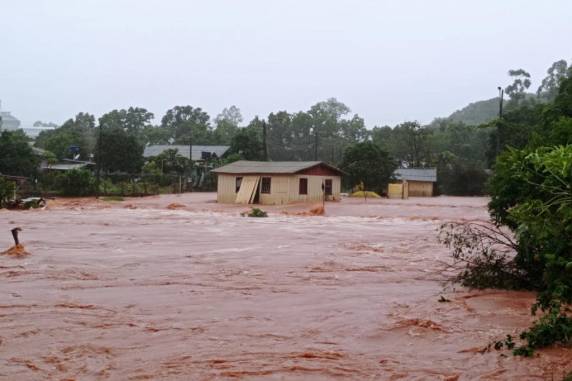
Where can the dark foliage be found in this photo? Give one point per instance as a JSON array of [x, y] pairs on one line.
[[16, 156], [365, 163]]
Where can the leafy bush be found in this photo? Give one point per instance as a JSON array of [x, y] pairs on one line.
[[6, 191], [486, 254], [50, 182], [255, 212], [542, 220], [532, 195], [77, 182]]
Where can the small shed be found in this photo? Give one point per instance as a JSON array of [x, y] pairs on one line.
[[420, 181], [277, 182]]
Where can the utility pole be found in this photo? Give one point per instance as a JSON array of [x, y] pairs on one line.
[[264, 141], [98, 171], [501, 98], [316, 142], [190, 158]]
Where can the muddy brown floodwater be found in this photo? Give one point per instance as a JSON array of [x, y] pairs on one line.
[[182, 288]]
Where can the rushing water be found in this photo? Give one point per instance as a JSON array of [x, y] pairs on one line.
[[137, 290]]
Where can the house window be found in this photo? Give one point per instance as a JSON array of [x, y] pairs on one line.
[[265, 186], [238, 182], [328, 187], [303, 186]]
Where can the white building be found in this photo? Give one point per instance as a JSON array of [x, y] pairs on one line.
[[9, 122]]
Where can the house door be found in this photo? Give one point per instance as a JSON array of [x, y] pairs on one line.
[[328, 187], [256, 199]]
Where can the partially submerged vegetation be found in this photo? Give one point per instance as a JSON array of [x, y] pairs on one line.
[[531, 192], [254, 212], [113, 198]]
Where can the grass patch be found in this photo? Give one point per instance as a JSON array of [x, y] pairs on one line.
[[112, 198]]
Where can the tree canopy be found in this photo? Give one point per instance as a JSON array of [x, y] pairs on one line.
[[16, 156], [366, 163]]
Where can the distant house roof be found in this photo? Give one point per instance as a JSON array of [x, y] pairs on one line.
[[416, 174], [33, 131], [155, 150], [37, 151], [64, 166], [244, 167]]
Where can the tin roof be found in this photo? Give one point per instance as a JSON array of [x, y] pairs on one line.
[[416, 174], [65, 166], [183, 150], [270, 167]]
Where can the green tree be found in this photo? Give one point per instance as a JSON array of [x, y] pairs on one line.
[[280, 138], [411, 144], [335, 132], [16, 156], [562, 106], [171, 162], [460, 177], [247, 142], [134, 120], [515, 129], [227, 124], [521, 82], [118, 151], [366, 163], [79, 132], [39, 123], [186, 123], [551, 83], [531, 193], [383, 137]]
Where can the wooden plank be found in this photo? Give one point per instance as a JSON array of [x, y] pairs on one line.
[[247, 189], [254, 190]]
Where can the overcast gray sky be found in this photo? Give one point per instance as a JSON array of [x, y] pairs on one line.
[[389, 61]]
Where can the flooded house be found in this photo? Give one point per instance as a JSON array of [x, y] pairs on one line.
[[417, 182], [277, 182]]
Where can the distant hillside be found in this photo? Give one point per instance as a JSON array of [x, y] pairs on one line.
[[477, 112]]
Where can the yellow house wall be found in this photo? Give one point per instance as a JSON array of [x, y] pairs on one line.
[[395, 190], [279, 186], [420, 189], [314, 188], [226, 187]]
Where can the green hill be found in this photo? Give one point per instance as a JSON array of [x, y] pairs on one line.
[[477, 112]]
